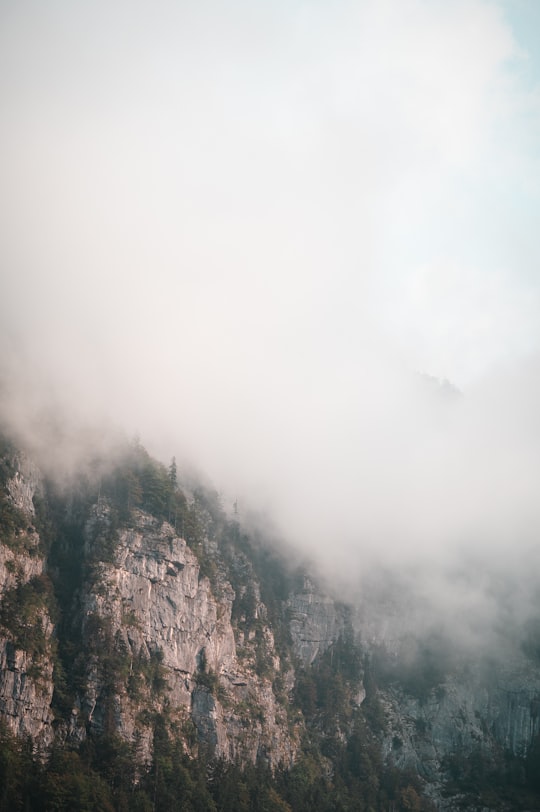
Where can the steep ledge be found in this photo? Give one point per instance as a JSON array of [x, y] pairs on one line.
[[26, 628], [468, 717], [211, 644], [24, 484], [173, 634], [314, 622]]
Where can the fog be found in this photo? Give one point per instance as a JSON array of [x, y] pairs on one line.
[[295, 246]]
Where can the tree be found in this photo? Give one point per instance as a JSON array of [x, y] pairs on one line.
[[172, 472]]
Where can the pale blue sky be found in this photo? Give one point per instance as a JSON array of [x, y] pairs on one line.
[[524, 19]]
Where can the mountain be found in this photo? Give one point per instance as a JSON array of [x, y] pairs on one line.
[[157, 655]]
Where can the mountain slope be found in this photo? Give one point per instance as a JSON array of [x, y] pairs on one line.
[[155, 651]]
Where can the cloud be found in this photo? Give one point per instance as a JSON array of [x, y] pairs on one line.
[[241, 232]]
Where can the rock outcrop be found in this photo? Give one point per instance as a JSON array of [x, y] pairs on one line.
[[315, 622], [172, 630], [26, 628], [465, 714], [153, 627]]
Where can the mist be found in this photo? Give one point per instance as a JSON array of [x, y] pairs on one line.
[[294, 246]]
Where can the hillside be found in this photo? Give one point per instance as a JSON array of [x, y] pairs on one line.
[[155, 655]]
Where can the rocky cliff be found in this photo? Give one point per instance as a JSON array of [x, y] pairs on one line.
[[27, 644], [171, 631], [124, 603]]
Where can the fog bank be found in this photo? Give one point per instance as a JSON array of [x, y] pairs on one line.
[[251, 234]]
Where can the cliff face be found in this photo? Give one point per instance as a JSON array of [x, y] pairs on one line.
[[464, 717], [218, 642], [314, 622], [26, 628], [172, 633]]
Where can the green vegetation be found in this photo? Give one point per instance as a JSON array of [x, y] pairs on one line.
[[531, 640], [339, 766], [105, 775], [496, 779], [326, 691], [138, 481], [23, 610], [13, 522], [430, 662]]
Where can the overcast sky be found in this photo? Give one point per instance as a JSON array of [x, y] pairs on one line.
[[242, 228]]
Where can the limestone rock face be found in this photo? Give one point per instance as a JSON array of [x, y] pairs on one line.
[[314, 622], [154, 636], [463, 716], [26, 633], [24, 484], [18, 566], [154, 610], [153, 596], [26, 690]]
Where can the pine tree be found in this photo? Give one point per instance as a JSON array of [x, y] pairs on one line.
[[172, 472]]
